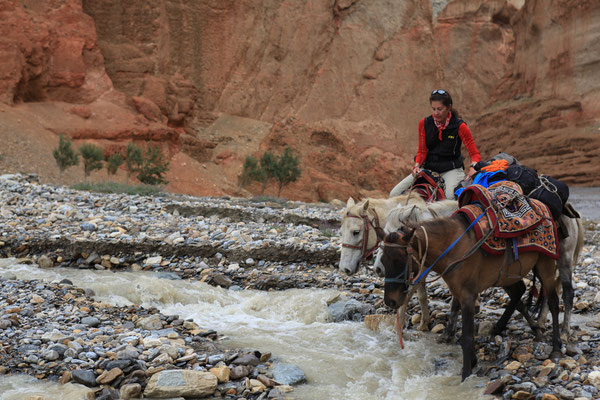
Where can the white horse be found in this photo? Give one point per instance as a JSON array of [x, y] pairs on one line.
[[569, 249], [359, 240]]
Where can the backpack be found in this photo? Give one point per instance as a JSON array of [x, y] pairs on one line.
[[546, 189]]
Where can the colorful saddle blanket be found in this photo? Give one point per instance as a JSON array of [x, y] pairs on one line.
[[526, 222]]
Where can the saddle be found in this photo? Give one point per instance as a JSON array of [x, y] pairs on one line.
[[429, 185], [516, 221]]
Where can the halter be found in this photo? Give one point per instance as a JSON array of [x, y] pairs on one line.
[[367, 253], [403, 277]]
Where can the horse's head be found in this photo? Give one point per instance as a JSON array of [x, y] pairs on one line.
[[358, 238], [397, 220], [397, 260]]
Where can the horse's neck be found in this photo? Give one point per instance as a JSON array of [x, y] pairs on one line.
[[442, 208], [382, 208], [439, 235]]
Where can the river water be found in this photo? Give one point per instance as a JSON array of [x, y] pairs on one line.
[[341, 360]]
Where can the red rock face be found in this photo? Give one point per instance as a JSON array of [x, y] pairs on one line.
[[343, 83]]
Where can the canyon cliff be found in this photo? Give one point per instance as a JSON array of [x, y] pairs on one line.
[[342, 82]]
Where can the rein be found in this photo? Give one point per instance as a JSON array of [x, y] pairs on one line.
[[448, 249], [404, 277], [367, 224]]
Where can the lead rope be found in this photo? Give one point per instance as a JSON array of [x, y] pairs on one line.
[[400, 325]]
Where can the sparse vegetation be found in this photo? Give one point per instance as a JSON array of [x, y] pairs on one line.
[[268, 164], [250, 172], [65, 155], [113, 187], [133, 159], [328, 230], [153, 167], [113, 163], [93, 158], [287, 169], [283, 169]]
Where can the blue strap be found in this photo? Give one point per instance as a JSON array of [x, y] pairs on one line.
[[515, 249], [447, 250]]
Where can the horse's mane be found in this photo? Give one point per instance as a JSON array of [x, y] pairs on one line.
[[416, 212], [409, 198]]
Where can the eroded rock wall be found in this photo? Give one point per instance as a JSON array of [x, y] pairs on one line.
[[344, 82]]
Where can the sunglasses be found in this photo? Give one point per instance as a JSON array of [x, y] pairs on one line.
[[439, 91]]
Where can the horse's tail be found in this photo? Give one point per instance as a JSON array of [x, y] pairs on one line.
[[580, 241]]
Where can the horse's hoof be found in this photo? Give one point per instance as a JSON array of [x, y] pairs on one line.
[[565, 333], [445, 339], [556, 355], [423, 327]]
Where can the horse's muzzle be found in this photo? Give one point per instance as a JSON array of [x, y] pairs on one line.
[[394, 298]]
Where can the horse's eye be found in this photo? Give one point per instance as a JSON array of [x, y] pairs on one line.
[[356, 233]]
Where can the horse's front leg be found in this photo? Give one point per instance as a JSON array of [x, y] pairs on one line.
[[450, 330], [468, 336], [422, 295]]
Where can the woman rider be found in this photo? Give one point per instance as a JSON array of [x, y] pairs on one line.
[[440, 138]]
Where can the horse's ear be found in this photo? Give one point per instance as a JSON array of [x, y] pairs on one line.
[[380, 232], [366, 206], [407, 233], [350, 202], [412, 211]]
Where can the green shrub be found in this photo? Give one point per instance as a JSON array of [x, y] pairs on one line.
[[93, 158], [113, 163], [283, 169], [287, 169], [133, 159], [268, 164], [65, 155], [250, 172], [153, 166]]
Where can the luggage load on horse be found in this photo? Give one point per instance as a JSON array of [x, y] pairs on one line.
[[552, 192]]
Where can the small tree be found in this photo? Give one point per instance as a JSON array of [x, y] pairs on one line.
[[250, 172], [268, 164], [113, 163], [93, 158], [153, 167], [65, 155], [288, 169], [133, 159]]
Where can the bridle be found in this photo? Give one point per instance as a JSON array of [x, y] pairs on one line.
[[407, 277], [367, 253], [404, 277]]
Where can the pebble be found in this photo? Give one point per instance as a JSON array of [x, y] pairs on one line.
[[240, 245]]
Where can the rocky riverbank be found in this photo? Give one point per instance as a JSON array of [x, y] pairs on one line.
[[57, 331]]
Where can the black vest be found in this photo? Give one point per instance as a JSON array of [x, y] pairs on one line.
[[443, 155]]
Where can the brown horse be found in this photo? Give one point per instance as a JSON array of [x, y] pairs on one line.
[[477, 272]]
